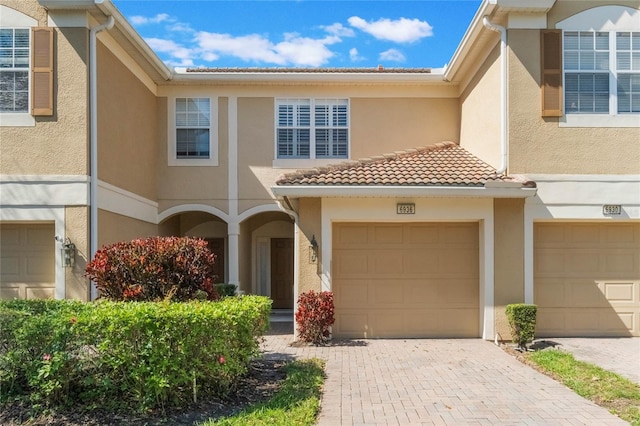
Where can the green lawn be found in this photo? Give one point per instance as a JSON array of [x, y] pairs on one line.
[[619, 395], [296, 403]]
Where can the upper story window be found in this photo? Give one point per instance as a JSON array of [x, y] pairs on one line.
[[591, 68], [312, 128], [14, 70], [193, 131], [602, 72], [193, 121]]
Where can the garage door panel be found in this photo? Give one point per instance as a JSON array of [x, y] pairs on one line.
[[409, 288], [27, 260], [351, 264], [587, 279]]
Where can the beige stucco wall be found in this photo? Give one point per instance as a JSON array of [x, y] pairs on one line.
[[28, 7], [127, 136], [57, 144], [255, 152], [309, 213], [509, 259], [480, 129], [540, 145], [77, 230], [382, 125], [206, 185], [113, 228]]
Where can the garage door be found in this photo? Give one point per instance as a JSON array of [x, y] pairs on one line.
[[27, 261], [405, 280], [587, 279]]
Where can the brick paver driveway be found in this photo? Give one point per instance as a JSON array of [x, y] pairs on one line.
[[436, 381]]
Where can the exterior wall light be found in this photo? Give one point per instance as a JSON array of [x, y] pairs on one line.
[[68, 252], [313, 250]]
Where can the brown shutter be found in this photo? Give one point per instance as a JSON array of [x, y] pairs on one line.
[[551, 56], [41, 71]]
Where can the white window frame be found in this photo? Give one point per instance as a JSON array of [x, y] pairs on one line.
[[12, 19], [602, 19], [312, 159], [172, 156]]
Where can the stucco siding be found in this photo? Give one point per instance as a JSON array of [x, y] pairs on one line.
[[509, 259], [563, 9], [77, 230], [381, 125], [480, 111], [310, 214], [56, 144], [127, 137], [540, 145], [255, 152], [113, 228]]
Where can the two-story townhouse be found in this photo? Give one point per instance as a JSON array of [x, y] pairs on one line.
[[430, 224]]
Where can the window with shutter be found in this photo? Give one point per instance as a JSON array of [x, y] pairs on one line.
[[601, 67], [312, 128], [550, 42], [14, 70], [42, 71]]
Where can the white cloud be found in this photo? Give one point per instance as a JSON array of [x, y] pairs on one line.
[[339, 30], [181, 56], [143, 20], [402, 30], [294, 50], [180, 27], [392, 55], [354, 55]]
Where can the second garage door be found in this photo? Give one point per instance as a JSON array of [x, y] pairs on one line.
[[587, 279], [406, 280]]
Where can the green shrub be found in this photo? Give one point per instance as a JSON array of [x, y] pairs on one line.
[[226, 290], [315, 316], [137, 355], [522, 321], [154, 269]]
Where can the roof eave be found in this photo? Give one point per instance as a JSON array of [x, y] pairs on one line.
[[307, 77], [320, 191]]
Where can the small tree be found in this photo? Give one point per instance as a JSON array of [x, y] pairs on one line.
[[522, 321], [315, 316], [154, 269]]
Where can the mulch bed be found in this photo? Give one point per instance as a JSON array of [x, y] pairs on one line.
[[259, 384]]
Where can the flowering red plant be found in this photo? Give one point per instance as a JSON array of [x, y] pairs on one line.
[[155, 268], [314, 316]]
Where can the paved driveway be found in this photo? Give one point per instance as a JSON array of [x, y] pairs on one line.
[[435, 382]]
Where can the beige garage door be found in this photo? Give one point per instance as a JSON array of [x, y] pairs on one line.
[[587, 279], [27, 261], [406, 280]]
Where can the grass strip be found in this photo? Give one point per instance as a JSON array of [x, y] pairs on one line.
[[609, 390], [297, 402]]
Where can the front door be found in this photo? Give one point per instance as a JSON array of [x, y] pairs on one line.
[[216, 245], [282, 273]]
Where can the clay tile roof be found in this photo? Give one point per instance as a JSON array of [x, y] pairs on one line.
[[442, 164]]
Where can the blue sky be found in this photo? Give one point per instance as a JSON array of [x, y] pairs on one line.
[[302, 33]]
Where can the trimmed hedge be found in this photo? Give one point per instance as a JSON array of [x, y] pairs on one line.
[[127, 354], [522, 321]]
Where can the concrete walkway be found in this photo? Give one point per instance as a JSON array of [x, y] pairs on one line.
[[618, 354], [435, 382]]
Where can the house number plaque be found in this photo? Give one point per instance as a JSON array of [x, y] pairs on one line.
[[405, 208]]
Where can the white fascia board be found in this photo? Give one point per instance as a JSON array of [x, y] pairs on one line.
[[535, 6], [401, 191], [476, 26], [305, 77]]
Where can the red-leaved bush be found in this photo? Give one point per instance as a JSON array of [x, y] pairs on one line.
[[315, 316], [154, 269]]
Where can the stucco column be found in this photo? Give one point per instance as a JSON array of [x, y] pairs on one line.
[[233, 235]]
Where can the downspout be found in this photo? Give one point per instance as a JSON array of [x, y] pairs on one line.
[[93, 139], [503, 90]]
